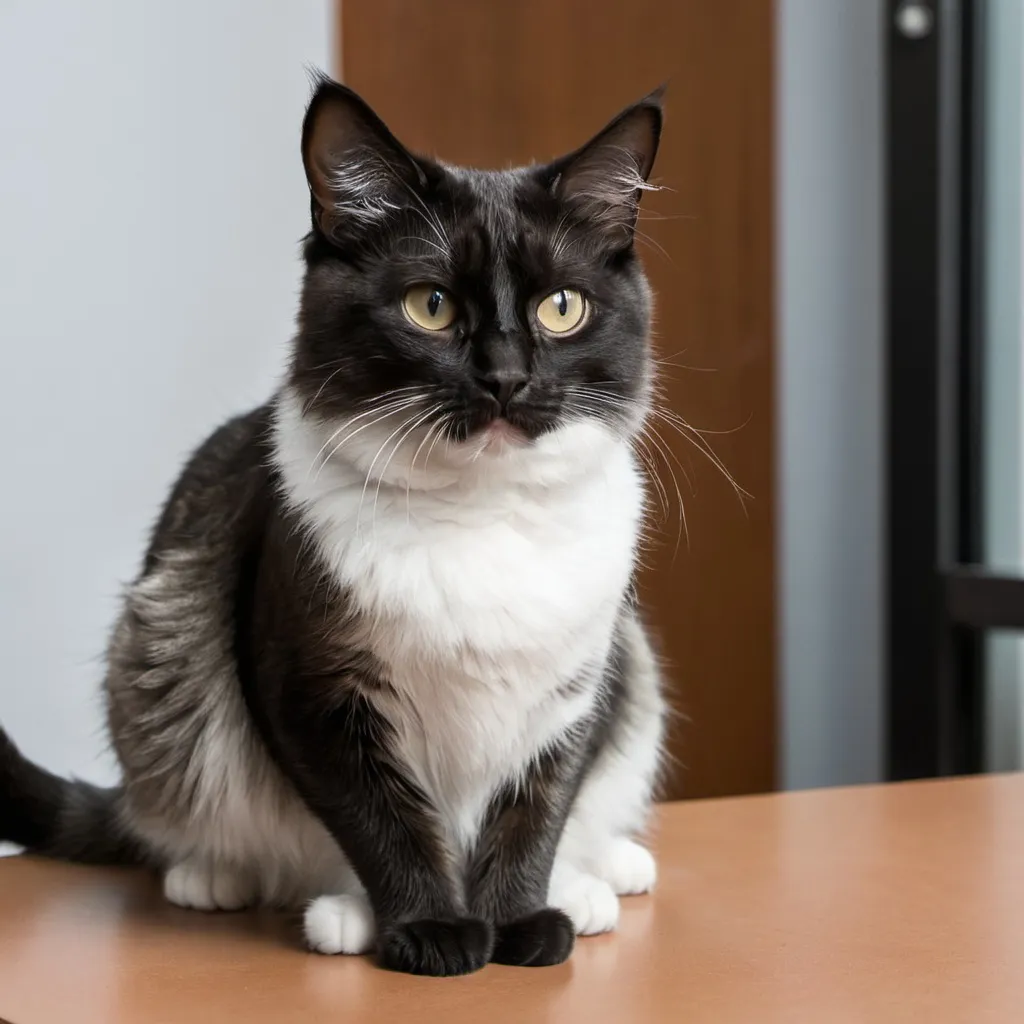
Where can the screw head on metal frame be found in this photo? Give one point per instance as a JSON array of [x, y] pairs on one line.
[[914, 20]]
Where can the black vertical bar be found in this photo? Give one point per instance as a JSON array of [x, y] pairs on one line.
[[968, 645], [924, 154], [914, 739]]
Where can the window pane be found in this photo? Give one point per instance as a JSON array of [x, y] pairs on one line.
[[1002, 59]]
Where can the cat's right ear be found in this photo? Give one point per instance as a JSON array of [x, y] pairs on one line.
[[358, 172], [604, 179]]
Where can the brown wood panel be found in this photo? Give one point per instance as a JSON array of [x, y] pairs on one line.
[[502, 82]]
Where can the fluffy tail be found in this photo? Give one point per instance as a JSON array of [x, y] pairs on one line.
[[58, 818]]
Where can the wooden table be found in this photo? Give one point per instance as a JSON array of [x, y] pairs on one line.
[[873, 905]]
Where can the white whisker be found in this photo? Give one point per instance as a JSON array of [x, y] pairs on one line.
[[434, 428], [380, 403], [373, 462], [432, 411], [383, 415], [308, 406]]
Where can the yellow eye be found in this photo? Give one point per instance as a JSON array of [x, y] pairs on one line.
[[429, 307], [561, 311]]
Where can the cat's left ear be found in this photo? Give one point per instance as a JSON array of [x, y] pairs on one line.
[[358, 172], [606, 177]]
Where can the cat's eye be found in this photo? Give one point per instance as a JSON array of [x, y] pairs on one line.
[[561, 311], [429, 307]]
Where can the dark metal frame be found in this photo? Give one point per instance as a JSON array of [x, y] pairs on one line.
[[939, 600]]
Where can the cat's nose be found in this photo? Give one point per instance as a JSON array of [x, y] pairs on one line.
[[504, 383], [501, 365]]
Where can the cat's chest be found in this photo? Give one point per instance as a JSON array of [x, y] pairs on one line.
[[494, 625], [490, 610], [465, 735], [485, 576]]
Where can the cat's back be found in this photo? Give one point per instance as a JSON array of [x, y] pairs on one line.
[[220, 495], [171, 681]]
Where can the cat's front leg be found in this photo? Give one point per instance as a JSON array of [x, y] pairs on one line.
[[510, 872], [338, 752]]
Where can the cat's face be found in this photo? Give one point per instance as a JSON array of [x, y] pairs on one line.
[[486, 308]]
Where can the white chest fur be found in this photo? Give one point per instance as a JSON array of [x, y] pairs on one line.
[[486, 587]]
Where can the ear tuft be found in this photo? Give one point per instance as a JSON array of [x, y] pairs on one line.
[[606, 177], [358, 172]]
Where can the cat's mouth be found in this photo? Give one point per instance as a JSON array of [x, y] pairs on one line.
[[500, 434], [511, 429]]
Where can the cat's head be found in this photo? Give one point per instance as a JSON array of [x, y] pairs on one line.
[[482, 312]]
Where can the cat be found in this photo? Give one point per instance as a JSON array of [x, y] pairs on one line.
[[383, 657]]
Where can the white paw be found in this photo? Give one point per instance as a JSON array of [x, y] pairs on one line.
[[340, 924], [589, 901], [628, 868], [198, 886]]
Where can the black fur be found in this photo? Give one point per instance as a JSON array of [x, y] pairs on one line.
[[437, 947], [496, 242], [542, 939], [70, 820]]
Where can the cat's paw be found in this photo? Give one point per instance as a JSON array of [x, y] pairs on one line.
[[436, 947], [197, 885], [628, 868], [589, 902], [540, 940], [340, 924]]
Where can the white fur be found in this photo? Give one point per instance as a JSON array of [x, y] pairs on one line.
[[340, 924], [628, 868], [260, 842], [589, 902], [363, 187], [489, 583], [203, 886], [615, 796], [608, 183]]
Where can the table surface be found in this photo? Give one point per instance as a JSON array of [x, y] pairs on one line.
[[876, 904]]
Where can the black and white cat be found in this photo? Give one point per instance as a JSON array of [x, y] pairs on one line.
[[383, 653]]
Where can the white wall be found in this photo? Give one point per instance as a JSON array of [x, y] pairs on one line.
[[829, 260], [151, 202]]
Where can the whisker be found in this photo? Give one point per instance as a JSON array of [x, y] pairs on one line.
[[384, 414], [384, 407], [648, 240], [432, 411], [434, 430], [677, 423], [373, 462], [326, 366], [665, 452], [443, 423], [646, 436], [683, 366], [675, 457], [644, 453], [425, 241], [379, 403], [431, 217], [684, 430], [703, 430], [320, 390]]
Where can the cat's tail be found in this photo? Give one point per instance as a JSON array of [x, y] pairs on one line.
[[69, 820]]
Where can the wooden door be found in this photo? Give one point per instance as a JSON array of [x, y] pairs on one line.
[[497, 82]]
